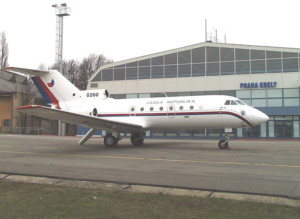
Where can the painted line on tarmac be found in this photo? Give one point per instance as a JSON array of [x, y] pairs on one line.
[[155, 159]]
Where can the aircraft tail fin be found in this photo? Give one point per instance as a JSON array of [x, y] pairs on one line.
[[52, 85]]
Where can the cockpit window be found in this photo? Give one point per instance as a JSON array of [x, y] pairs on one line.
[[240, 102], [233, 102]]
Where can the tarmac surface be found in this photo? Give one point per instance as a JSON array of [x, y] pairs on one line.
[[269, 168]]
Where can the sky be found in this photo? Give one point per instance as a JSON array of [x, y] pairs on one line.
[[122, 30]]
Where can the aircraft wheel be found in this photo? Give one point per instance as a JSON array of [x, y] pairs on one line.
[[137, 139], [222, 144], [110, 140]]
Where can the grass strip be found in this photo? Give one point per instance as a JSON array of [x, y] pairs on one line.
[[25, 200]]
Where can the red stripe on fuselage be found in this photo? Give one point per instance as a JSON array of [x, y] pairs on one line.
[[181, 114], [48, 92]]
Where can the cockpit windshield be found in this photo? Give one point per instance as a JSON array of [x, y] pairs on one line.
[[234, 102], [240, 102]]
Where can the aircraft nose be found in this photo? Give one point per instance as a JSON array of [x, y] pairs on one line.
[[259, 117]]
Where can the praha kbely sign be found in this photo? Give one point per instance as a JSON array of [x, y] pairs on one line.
[[268, 84]]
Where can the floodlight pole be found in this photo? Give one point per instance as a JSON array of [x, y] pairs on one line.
[[61, 11]]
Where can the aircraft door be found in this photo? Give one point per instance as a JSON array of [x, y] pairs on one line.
[[171, 111]]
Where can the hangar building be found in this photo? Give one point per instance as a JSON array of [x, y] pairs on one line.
[[267, 78]]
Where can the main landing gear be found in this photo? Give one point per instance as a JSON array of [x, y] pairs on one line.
[[112, 139], [137, 139], [223, 143]]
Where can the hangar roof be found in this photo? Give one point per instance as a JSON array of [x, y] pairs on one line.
[[210, 44], [8, 76]]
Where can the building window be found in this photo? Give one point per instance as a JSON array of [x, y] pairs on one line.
[[97, 77], [107, 74], [241, 54], [227, 54], [212, 54], [212, 69], [131, 96], [131, 73], [242, 67], [274, 93], [291, 92], [157, 61], [259, 94], [184, 57], [227, 68], [259, 102], [274, 66], [145, 62], [198, 55], [157, 71], [275, 102], [258, 66], [171, 59], [119, 74], [6, 122], [171, 71], [290, 65], [144, 72], [291, 102], [198, 69], [184, 70], [93, 85]]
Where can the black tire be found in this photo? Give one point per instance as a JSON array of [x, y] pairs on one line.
[[137, 139], [222, 145], [110, 141]]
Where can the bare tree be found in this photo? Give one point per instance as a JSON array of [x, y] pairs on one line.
[[42, 66], [28, 95], [79, 73], [3, 51], [70, 70], [88, 66]]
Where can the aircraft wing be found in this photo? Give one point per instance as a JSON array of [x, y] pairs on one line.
[[74, 118]]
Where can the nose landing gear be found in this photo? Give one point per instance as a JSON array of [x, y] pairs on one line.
[[223, 143]]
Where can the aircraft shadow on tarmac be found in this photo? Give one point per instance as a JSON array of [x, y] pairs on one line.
[[156, 146]]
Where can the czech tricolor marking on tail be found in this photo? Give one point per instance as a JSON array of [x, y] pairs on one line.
[[51, 84]]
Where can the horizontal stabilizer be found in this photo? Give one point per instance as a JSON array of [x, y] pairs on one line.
[[75, 118], [27, 71]]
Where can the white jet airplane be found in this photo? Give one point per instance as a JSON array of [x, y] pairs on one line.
[[94, 109]]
